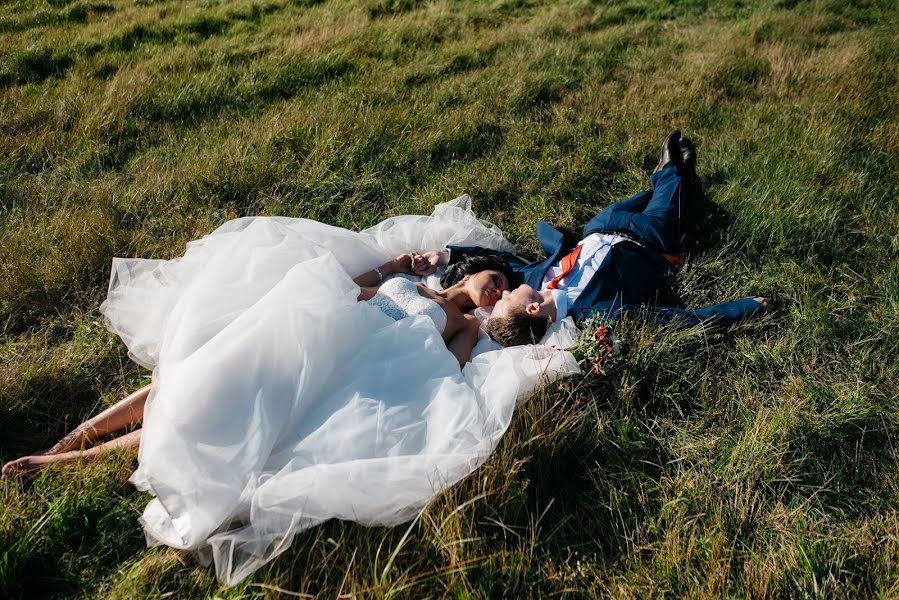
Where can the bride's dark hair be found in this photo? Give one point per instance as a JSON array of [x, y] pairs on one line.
[[470, 265]]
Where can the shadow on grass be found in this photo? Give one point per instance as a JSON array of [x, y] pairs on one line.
[[57, 402], [36, 66], [591, 495], [705, 223], [842, 464]]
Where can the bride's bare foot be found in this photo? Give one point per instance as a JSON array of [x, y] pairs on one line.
[[39, 460], [72, 441], [28, 464], [36, 462]]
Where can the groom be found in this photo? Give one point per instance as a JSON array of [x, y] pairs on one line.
[[625, 254]]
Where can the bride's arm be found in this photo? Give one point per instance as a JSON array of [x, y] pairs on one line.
[[373, 278], [370, 281]]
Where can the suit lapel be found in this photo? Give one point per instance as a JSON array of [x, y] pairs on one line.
[[550, 238], [552, 241]]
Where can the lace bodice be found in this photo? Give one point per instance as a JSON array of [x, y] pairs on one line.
[[399, 298]]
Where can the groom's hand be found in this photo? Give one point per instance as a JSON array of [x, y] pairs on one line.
[[413, 263], [427, 263]]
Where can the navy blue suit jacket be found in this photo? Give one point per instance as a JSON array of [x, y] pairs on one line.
[[626, 280]]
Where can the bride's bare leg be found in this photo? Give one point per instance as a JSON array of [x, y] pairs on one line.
[[126, 412], [42, 461]]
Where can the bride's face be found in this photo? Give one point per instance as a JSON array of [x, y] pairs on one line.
[[486, 287]]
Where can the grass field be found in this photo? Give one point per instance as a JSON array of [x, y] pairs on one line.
[[762, 463]]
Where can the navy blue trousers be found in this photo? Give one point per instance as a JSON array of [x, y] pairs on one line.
[[651, 217]]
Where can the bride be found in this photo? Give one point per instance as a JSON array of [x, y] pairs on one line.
[[471, 284], [280, 401]]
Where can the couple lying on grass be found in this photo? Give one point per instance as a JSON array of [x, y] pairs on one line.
[[280, 401]]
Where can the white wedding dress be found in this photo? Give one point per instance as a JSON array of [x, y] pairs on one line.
[[280, 402]]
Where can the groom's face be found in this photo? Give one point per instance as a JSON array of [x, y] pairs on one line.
[[520, 297]]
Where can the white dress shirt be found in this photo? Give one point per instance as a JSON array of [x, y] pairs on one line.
[[595, 248]]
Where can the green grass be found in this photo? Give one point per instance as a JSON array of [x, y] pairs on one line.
[[760, 463]]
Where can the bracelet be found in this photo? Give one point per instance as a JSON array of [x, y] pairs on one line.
[[380, 277]]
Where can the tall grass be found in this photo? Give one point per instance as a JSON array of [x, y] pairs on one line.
[[759, 463]]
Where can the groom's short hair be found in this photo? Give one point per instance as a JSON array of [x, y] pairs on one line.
[[517, 328]]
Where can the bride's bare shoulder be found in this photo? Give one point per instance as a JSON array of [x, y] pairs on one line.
[[427, 292]]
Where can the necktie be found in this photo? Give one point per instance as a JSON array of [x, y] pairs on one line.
[[675, 259], [568, 263]]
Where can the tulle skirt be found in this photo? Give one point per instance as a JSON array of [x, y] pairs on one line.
[[280, 402]]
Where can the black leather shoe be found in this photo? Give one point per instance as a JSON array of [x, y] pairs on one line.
[[688, 154], [671, 154]]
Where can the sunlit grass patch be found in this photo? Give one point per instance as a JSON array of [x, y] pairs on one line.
[[757, 463]]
